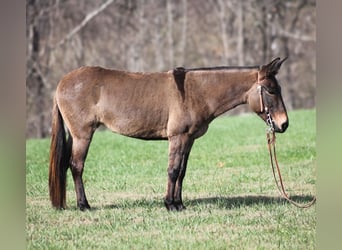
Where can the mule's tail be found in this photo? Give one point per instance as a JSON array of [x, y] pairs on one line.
[[59, 160]]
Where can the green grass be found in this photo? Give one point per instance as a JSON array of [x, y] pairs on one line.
[[231, 198]]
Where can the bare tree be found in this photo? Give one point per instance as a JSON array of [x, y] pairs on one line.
[[240, 33], [183, 37], [222, 13], [38, 86], [169, 12]]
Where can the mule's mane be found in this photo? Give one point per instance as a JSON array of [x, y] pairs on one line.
[[219, 68]]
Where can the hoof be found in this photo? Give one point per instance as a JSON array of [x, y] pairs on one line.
[[174, 206], [84, 206], [180, 207]]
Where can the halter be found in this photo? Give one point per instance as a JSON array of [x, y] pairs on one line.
[[271, 138], [269, 120]]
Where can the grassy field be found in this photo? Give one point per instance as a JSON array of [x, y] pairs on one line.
[[231, 198]]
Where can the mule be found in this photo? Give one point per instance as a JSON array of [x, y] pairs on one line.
[[177, 106]]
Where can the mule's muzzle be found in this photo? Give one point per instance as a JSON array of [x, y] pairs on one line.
[[282, 128]]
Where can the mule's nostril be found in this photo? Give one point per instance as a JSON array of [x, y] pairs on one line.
[[284, 126]]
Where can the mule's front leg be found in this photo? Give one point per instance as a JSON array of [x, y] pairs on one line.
[[179, 183], [178, 154]]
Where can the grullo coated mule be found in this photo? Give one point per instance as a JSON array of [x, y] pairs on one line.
[[177, 106]]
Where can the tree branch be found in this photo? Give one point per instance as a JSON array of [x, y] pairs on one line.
[[87, 18], [297, 36]]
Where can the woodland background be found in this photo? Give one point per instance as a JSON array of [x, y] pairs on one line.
[[147, 35]]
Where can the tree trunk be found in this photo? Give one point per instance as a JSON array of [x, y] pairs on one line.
[[183, 34], [170, 31], [240, 41], [224, 35]]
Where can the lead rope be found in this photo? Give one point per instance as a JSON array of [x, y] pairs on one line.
[[271, 138]]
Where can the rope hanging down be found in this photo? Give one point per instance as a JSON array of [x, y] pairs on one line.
[[271, 138], [271, 148]]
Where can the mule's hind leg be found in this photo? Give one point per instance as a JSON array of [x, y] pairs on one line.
[[79, 153]]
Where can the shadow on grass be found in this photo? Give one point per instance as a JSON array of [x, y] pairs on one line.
[[245, 201], [219, 202]]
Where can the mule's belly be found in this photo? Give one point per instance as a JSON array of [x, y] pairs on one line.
[[138, 122], [136, 129]]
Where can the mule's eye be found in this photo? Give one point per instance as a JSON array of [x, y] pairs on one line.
[[271, 91]]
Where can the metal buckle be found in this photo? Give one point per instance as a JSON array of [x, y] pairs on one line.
[[259, 89], [269, 121]]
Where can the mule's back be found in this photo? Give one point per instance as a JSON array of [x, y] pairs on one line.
[[132, 104]]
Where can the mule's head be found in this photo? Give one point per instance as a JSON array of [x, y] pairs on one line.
[[265, 99]]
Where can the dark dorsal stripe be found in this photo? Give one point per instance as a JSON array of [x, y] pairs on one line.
[[222, 68]]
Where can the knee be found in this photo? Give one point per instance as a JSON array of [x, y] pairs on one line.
[[173, 173], [76, 167]]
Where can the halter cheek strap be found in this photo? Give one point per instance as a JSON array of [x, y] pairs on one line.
[[259, 88], [263, 108]]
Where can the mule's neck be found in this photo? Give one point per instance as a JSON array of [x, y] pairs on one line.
[[226, 89]]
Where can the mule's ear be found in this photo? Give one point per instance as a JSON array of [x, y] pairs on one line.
[[272, 68], [279, 63]]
